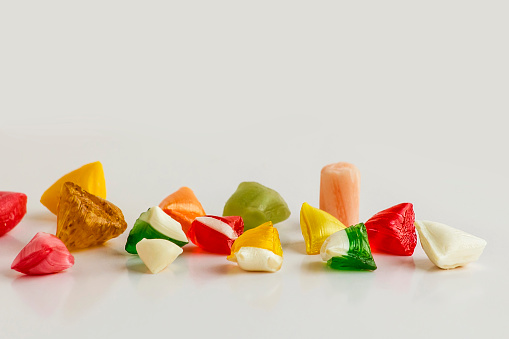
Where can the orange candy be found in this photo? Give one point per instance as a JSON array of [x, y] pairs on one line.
[[183, 206]]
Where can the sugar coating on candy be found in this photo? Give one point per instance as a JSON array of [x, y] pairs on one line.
[[44, 254], [339, 192], [157, 254], [258, 249], [392, 230], [348, 249], [13, 207], [216, 234], [316, 226], [90, 177], [85, 220], [155, 224], [448, 247], [183, 206], [256, 204]]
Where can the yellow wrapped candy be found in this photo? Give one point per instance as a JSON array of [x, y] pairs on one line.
[[90, 177], [258, 249], [316, 226]]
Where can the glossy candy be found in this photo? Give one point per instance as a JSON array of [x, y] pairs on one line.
[[85, 220], [157, 254], [348, 249], [44, 254], [392, 230], [448, 247], [13, 207], [155, 224], [216, 234], [258, 249], [183, 206], [256, 204], [316, 226], [90, 177], [339, 192]]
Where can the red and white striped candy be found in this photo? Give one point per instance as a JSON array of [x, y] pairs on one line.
[[216, 234]]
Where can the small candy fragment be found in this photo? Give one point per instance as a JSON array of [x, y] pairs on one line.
[[155, 224], [348, 249], [258, 249], [256, 204], [44, 254], [183, 206], [448, 247], [339, 192], [216, 234], [85, 220], [316, 226], [13, 207], [90, 177], [392, 230], [157, 254]]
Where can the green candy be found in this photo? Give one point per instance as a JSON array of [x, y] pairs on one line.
[[256, 204], [155, 224], [349, 249]]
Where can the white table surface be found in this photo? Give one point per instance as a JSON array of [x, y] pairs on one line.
[[208, 94]]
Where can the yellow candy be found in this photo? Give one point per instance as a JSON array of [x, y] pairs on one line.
[[90, 177], [316, 226], [258, 249]]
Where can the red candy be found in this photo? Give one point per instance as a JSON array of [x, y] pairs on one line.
[[216, 234], [13, 207], [392, 230]]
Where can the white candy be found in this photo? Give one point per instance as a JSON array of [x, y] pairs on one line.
[[257, 259], [448, 247], [336, 245], [157, 254], [163, 223]]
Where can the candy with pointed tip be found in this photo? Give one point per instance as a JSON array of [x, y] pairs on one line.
[[216, 234], [155, 224], [392, 230], [316, 226], [90, 177], [448, 247], [183, 206], [85, 220], [44, 254], [256, 204], [258, 249], [157, 254], [348, 249], [339, 192], [13, 207]]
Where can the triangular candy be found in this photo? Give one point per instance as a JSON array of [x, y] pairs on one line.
[[183, 206], [157, 254], [392, 230], [316, 226], [155, 224], [216, 234], [348, 249], [448, 247], [85, 220], [13, 207]]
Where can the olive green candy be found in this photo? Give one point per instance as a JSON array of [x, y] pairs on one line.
[[256, 204]]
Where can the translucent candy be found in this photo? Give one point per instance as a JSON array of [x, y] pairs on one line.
[[339, 192], [85, 220], [44, 254], [183, 206], [157, 254], [448, 247], [13, 207], [258, 249], [90, 177], [216, 234], [155, 224], [393, 231], [316, 226], [348, 249], [256, 204]]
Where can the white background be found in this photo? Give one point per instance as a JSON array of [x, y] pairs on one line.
[[207, 94]]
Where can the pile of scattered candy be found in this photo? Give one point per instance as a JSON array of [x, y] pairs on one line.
[[245, 233]]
